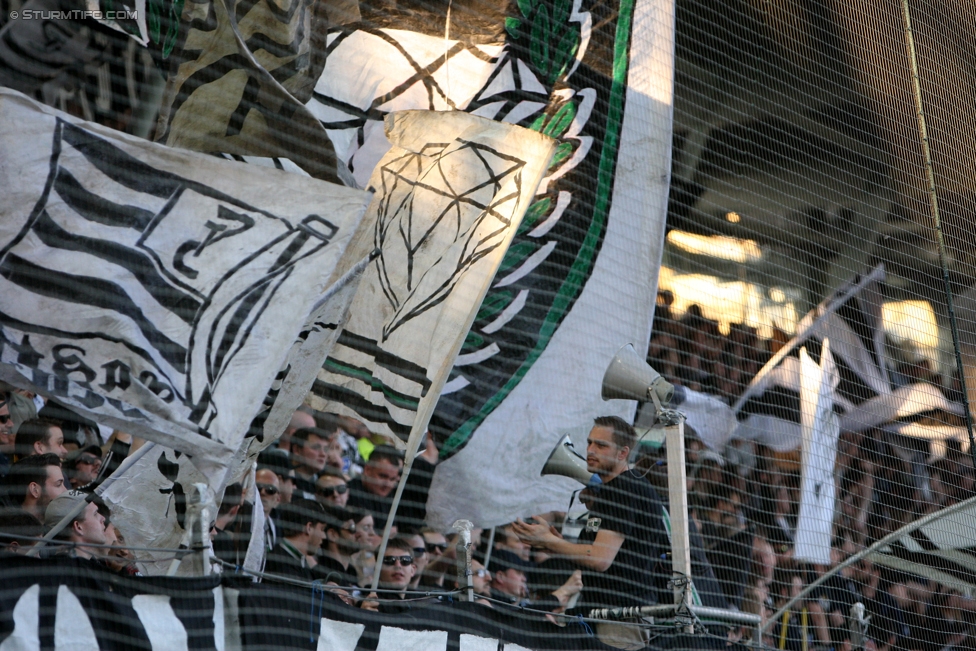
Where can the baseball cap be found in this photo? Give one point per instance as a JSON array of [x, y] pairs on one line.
[[61, 506]]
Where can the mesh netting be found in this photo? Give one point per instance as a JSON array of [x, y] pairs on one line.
[[771, 201]]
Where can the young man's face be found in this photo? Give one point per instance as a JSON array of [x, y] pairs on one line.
[[331, 490], [420, 555], [397, 569], [380, 477], [511, 582], [602, 454], [90, 528], [311, 455], [53, 486], [316, 536], [345, 538], [54, 443]]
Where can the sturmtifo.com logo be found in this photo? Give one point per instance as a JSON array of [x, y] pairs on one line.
[[74, 14]]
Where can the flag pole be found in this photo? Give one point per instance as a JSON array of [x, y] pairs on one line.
[[876, 274], [413, 443]]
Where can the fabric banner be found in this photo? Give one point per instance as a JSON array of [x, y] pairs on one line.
[[73, 604], [864, 397], [154, 290], [449, 198], [579, 282], [148, 502], [238, 76], [821, 428], [938, 546]]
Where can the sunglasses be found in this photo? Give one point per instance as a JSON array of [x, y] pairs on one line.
[[419, 551], [329, 491], [4, 419], [268, 489], [482, 573], [440, 548], [402, 560], [89, 459]]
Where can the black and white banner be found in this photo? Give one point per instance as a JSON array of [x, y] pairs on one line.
[[449, 197], [155, 290], [938, 546], [73, 604], [821, 429], [864, 397]]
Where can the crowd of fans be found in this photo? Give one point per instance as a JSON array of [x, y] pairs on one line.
[[327, 487], [745, 504]]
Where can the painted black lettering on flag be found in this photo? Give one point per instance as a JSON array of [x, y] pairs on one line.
[[143, 265]]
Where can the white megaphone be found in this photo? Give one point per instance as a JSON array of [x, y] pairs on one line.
[[631, 378], [566, 461]]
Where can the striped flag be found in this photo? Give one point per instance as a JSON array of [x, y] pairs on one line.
[[449, 197], [938, 546], [157, 291], [864, 397]]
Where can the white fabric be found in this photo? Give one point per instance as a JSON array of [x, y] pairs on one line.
[[560, 393], [26, 621], [821, 429], [339, 636], [449, 198], [163, 628], [153, 289]]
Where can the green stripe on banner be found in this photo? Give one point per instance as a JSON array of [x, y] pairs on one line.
[[583, 263]]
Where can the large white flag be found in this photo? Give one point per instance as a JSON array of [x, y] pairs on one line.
[[148, 502], [580, 283], [155, 290], [821, 427], [449, 197]]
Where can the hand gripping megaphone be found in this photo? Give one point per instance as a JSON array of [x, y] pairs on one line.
[[566, 461]]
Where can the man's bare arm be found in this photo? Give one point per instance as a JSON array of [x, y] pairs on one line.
[[596, 556]]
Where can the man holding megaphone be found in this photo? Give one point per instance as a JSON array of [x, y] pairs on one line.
[[624, 537]]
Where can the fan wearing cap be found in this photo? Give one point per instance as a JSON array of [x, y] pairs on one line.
[[509, 577], [87, 528], [302, 525], [339, 545], [82, 466]]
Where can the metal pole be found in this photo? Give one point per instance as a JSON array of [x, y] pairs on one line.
[[413, 444], [934, 207], [463, 561], [868, 552], [678, 509], [199, 513]]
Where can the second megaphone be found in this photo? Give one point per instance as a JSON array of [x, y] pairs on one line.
[[629, 377], [566, 461]]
